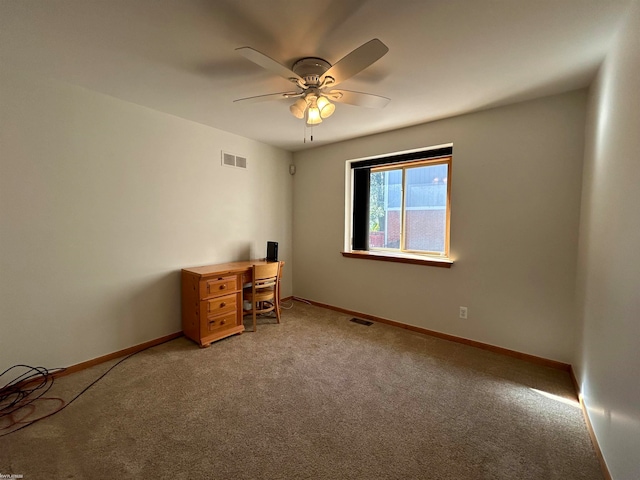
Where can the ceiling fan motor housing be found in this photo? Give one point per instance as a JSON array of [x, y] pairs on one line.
[[311, 69]]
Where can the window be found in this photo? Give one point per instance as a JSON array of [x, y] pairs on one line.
[[408, 207], [401, 205]]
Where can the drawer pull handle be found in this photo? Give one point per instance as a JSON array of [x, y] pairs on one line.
[[223, 322], [223, 286], [223, 304]]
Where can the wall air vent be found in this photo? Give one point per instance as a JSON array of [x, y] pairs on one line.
[[228, 159], [241, 162], [231, 160]]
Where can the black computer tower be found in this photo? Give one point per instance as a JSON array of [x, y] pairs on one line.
[[272, 251]]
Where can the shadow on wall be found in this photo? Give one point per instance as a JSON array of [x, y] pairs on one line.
[[152, 309], [245, 252]]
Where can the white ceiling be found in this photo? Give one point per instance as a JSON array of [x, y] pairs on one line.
[[446, 57]]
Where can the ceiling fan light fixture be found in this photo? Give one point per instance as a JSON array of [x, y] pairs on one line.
[[298, 108], [313, 116], [325, 106], [313, 112]]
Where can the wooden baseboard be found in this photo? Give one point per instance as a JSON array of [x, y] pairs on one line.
[[452, 338], [592, 433], [120, 353]]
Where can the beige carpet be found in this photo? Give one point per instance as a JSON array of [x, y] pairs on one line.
[[315, 397]]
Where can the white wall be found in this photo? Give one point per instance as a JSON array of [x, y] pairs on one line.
[[608, 363], [102, 202], [516, 181]]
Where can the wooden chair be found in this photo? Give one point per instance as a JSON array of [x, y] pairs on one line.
[[264, 292], [278, 289]]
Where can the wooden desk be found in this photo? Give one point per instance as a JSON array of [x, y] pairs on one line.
[[212, 300]]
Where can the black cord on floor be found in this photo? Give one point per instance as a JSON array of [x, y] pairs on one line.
[[21, 392]]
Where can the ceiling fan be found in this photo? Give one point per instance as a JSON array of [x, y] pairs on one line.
[[315, 78]]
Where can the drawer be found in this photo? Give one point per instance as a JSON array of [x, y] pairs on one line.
[[220, 305], [215, 324], [215, 286]]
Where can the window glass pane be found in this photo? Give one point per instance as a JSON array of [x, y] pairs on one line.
[[426, 208], [385, 203], [393, 179]]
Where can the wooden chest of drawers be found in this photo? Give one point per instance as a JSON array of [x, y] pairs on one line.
[[211, 305]]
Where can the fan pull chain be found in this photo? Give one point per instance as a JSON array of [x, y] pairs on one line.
[[304, 138]]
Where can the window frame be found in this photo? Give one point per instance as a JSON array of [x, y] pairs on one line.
[[404, 166], [356, 242]]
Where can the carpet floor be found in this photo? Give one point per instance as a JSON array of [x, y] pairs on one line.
[[315, 397]]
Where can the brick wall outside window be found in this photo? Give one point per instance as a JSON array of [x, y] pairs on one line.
[[425, 231]]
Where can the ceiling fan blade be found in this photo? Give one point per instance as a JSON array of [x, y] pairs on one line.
[[267, 62], [358, 98], [356, 61], [269, 96]]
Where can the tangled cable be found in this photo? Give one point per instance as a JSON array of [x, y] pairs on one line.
[[18, 397]]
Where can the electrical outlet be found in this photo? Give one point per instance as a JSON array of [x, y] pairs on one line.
[[463, 312]]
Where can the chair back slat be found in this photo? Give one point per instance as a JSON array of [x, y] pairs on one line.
[[267, 282], [267, 271]]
